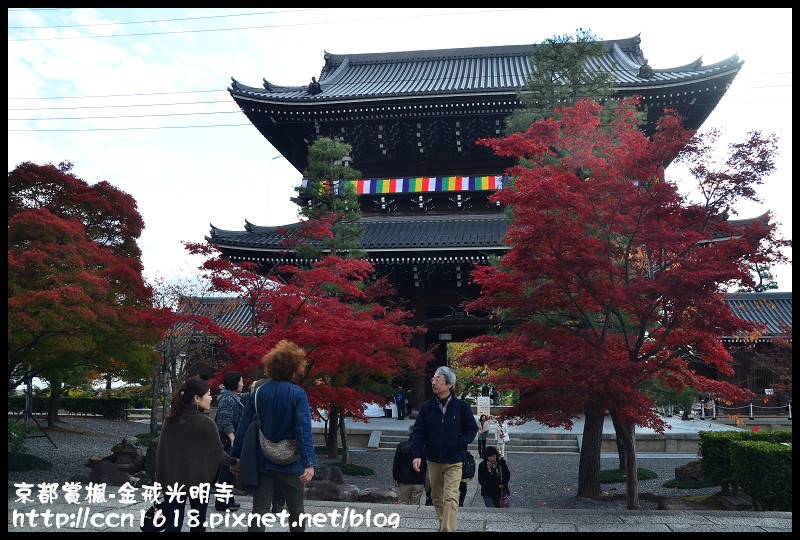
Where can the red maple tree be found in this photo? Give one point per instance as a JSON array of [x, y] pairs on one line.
[[76, 297], [355, 344], [327, 302], [614, 278]]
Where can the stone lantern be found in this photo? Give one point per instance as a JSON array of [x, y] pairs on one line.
[[124, 457]]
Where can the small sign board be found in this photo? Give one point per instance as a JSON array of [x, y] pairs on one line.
[[769, 391], [484, 405]]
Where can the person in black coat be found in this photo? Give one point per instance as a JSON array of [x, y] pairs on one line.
[[410, 482], [444, 426], [493, 477]]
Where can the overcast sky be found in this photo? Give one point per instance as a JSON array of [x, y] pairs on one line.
[[138, 97]]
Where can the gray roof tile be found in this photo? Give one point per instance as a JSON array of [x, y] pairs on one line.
[[389, 233], [226, 311], [500, 69], [773, 309]]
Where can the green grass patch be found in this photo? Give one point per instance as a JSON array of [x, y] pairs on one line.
[[352, 469], [355, 470], [27, 462], [349, 468], [612, 476], [143, 439]]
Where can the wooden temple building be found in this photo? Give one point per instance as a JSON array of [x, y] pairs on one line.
[[412, 119]]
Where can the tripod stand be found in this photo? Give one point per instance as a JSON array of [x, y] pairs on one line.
[[27, 412]]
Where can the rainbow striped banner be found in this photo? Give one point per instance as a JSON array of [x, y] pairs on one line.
[[427, 184], [422, 184]]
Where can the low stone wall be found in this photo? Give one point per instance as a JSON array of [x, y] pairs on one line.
[[760, 422], [646, 443], [689, 443], [653, 443], [142, 414], [355, 438]]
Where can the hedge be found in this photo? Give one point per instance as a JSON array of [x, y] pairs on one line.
[[723, 455], [108, 407]]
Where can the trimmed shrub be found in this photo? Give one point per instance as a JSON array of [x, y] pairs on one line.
[[764, 470], [716, 453]]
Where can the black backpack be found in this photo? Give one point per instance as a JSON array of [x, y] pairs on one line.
[[468, 462], [467, 465]]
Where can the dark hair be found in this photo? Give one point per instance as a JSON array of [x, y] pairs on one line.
[[284, 361], [490, 451], [482, 418], [231, 380], [193, 386]]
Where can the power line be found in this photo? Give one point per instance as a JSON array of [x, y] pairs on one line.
[[128, 128], [219, 101], [156, 20], [120, 106], [395, 81], [226, 101], [121, 116], [677, 107], [121, 95], [284, 25], [274, 12]]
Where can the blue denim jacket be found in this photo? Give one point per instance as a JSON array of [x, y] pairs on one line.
[[285, 414]]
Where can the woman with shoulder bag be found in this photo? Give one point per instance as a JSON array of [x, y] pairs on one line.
[[285, 416], [493, 477]]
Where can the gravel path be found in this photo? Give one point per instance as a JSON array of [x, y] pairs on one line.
[[537, 480]]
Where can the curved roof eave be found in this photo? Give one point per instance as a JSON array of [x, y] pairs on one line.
[[387, 233], [443, 76], [503, 93]]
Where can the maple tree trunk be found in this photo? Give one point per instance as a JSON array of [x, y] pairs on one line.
[[343, 434], [53, 403], [333, 432], [620, 453], [589, 465], [626, 434], [154, 401]]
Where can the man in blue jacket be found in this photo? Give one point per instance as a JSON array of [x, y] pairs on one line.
[[444, 426]]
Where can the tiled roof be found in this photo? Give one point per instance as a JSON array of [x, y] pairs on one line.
[[479, 70], [226, 311], [388, 233], [773, 309], [418, 232]]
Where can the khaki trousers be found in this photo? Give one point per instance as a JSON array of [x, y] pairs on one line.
[[445, 481], [410, 493]]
